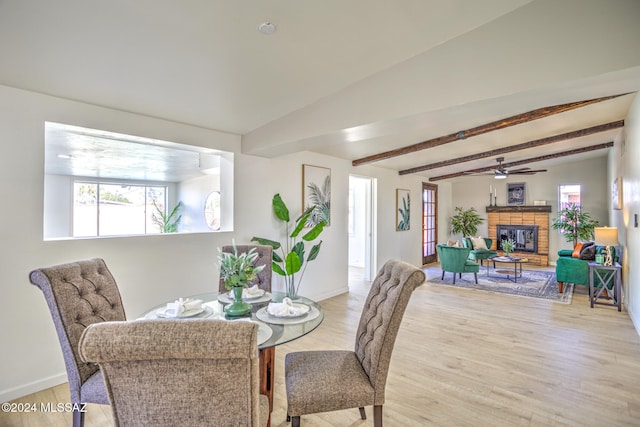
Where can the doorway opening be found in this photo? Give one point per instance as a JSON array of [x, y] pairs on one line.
[[361, 228], [429, 222]]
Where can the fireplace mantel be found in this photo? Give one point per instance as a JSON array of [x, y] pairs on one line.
[[536, 208]]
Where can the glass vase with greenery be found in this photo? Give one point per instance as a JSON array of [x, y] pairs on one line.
[[465, 222], [507, 246], [236, 271], [575, 224], [293, 257]]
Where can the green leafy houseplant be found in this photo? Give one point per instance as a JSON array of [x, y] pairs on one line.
[[465, 222], [294, 258], [238, 269], [167, 223], [507, 246], [575, 224]]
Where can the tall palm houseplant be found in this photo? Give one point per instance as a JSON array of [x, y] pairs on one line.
[[293, 257], [465, 222], [575, 224]]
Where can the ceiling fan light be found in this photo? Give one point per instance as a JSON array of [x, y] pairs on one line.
[[500, 176]]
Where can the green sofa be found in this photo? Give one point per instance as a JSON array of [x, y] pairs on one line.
[[574, 270], [456, 260], [479, 254]]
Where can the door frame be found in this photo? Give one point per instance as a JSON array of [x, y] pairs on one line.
[[432, 257]]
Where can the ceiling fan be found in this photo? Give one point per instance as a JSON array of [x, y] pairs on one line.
[[501, 172]]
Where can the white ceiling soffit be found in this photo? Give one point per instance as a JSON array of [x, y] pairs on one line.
[[342, 78]]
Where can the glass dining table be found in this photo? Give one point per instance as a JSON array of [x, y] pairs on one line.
[[272, 331]]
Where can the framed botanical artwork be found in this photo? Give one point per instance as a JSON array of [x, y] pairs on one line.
[[403, 210], [616, 193], [316, 193], [516, 193]]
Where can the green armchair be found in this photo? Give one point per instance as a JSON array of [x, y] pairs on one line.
[[455, 260], [479, 254]]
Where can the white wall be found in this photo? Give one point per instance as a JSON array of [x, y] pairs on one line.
[[590, 173], [190, 193], [624, 162], [153, 269]]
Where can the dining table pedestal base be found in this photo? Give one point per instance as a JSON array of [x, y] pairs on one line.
[[267, 361]]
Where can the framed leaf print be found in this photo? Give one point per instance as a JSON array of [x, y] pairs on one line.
[[316, 193], [403, 210]]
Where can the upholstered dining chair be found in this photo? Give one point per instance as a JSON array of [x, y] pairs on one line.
[[265, 256], [176, 372], [79, 294], [321, 381]]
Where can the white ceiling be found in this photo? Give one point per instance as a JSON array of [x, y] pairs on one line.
[[345, 78]]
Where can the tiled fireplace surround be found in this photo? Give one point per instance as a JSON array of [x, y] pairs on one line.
[[523, 215]]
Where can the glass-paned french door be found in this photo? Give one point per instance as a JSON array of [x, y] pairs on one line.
[[429, 222]]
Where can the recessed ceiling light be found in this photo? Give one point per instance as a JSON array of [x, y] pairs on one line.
[[267, 28]]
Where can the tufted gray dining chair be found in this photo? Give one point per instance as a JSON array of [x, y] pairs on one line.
[[79, 294], [265, 257], [174, 372], [321, 381]]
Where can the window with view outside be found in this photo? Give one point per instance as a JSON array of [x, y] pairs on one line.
[[108, 209], [569, 195]]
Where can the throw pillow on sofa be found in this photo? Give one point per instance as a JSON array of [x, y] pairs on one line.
[[478, 243], [455, 243], [588, 252], [576, 250]]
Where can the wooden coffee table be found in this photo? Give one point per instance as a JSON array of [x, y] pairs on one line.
[[509, 260]]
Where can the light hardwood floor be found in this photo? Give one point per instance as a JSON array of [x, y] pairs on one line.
[[469, 358]]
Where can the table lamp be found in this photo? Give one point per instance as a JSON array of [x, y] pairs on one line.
[[606, 236]]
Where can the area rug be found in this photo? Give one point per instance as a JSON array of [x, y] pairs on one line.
[[532, 284]]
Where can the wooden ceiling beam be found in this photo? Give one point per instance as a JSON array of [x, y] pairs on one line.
[[517, 147], [527, 161], [485, 128]]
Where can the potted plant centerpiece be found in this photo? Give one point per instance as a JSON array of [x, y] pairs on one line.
[[237, 270], [507, 246], [294, 256]]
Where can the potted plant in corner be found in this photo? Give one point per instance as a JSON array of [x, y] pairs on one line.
[[237, 270], [575, 224], [294, 256], [465, 222]]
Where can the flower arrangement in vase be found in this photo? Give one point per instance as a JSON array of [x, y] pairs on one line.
[[237, 270]]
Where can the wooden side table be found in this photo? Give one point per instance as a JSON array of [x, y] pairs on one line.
[[601, 275]]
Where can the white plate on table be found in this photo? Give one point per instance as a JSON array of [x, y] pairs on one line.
[[302, 310], [163, 312], [266, 317]]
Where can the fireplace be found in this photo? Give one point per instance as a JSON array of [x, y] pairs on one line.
[[524, 236]]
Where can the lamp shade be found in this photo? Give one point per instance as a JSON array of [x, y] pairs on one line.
[[606, 236]]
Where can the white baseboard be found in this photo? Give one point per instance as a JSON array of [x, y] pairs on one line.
[[32, 387], [326, 295]]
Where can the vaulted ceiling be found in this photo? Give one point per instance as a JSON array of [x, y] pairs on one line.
[[349, 79]]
